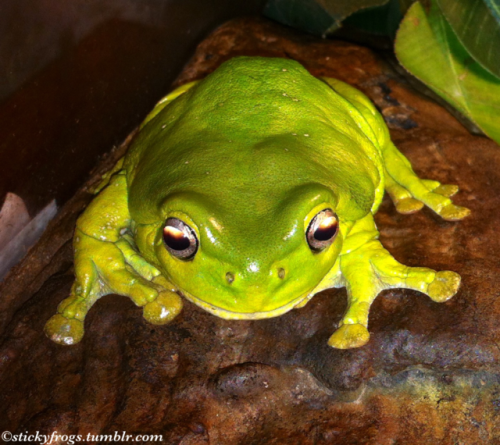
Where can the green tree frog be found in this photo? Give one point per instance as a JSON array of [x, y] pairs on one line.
[[247, 193]]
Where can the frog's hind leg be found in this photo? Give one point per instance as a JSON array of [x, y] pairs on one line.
[[370, 269], [409, 192]]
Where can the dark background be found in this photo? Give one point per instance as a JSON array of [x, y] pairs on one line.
[[76, 77]]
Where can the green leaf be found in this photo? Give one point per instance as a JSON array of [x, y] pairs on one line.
[[429, 49], [320, 17], [477, 27]]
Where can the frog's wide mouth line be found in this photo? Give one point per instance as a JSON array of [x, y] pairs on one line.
[[230, 315]]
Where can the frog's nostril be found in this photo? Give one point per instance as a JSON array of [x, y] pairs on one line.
[[229, 277], [281, 273]]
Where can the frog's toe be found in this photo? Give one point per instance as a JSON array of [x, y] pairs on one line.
[[349, 336], [73, 307], [451, 212], [447, 190], [163, 309], [408, 205], [65, 331], [444, 286]]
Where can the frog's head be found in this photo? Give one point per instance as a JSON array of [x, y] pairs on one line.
[[249, 261]]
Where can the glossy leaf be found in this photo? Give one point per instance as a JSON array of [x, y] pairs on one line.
[[320, 17], [477, 27], [428, 48]]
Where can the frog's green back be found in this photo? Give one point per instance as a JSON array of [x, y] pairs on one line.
[[248, 134]]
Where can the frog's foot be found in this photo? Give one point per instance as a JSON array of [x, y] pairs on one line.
[[160, 304], [405, 203], [437, 198], [349, 336], [103, 268], [165, 307], [157, 297], [369, 270], [405, 187], [353, 329], [439, 286]]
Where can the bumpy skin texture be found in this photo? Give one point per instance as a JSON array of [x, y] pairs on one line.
[[247, 158]]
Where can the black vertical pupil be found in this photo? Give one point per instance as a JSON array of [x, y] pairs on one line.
[[176, 241], [325, 233]]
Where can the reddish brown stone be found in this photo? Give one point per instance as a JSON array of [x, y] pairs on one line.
[[430, 373]]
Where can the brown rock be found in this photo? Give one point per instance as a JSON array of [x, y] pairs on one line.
[[430, 373]]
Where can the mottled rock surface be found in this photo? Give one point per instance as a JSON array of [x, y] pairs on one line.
[[430, 374]]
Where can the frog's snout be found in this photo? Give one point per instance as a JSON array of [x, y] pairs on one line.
[[255, 288], [280, 272], [251, 289]]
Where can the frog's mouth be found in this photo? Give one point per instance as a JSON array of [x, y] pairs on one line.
[[230, 315]]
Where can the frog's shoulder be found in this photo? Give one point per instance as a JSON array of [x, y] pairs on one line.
[[367, 112], [161, 104], [353, 95], [150, 128]]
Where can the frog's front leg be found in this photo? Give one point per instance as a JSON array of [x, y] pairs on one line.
[[369, 269], [106, 261]]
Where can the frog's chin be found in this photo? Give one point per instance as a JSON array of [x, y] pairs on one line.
[[230, 315]]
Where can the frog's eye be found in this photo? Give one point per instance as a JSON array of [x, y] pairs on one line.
[[322, 230], [180, 239]]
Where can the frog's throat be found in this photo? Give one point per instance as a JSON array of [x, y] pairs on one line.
[[230, 315]]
